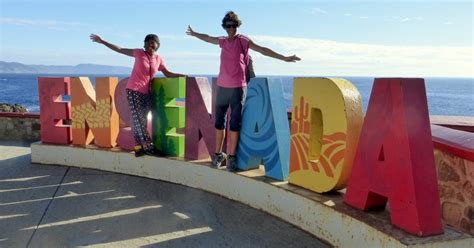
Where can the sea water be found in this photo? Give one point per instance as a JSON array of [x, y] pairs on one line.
[[446, 96]]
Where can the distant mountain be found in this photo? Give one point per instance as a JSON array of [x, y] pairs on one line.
[[13, 67]]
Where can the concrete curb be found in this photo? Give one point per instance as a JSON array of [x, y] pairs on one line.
[[309, 211]]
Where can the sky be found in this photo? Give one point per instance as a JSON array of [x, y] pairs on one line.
[[382, 38]]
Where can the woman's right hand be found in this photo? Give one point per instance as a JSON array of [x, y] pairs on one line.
[[96, 38]]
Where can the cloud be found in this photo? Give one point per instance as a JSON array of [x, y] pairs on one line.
[[50, 24], [318, 11], [363, 17], [448, 23], [319, 58], [407, 19], [326, 57]]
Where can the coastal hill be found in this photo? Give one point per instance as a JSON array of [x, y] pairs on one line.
[[14, 67]]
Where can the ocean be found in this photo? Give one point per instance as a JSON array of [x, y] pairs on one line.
[[446, 96]]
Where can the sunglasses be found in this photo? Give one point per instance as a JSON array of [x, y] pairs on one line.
[[227, 26]]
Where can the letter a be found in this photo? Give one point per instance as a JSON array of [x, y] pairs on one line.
[[395, 160], [265, 134]]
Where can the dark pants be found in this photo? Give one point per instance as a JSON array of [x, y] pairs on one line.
[[233, 98], [140, 105]]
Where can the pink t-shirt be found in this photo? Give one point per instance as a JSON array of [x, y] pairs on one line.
[[142, 73], [233, 62]]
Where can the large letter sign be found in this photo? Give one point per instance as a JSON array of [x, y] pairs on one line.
[[265, 135], [325, 127], [167, 116], [386, 157], [94, 117], [395, 158], [54, 110]]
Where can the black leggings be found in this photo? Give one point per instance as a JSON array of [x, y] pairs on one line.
[[235, 98]]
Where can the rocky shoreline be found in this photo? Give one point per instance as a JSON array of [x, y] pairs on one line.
[[17, 124], [17, 108]]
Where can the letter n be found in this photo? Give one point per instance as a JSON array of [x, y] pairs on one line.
[[199, 132], [395, 160], [265, 134], [94, 117], [54, 110]]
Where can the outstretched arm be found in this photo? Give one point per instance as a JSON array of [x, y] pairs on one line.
[[171, 74], [270, 53], [126, 51], [204, 37]]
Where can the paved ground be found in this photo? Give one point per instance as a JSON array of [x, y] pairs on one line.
[[53, 206]]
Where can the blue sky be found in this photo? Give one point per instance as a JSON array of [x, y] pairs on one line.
[[333, 38]]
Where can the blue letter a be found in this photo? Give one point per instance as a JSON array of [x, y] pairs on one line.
[[265, 134]]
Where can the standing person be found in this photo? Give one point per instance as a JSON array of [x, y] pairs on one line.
[[231, 83], [147, 63]]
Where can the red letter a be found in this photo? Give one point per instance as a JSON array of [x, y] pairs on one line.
[[395, 160]]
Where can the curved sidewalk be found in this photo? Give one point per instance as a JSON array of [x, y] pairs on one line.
[[52, 206]]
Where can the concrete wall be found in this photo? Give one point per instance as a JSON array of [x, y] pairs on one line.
[[454, 157], [456, 188], [462, 123], [19, 126]]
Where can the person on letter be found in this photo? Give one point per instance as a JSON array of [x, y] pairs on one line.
[[231, 82], [147, 63]]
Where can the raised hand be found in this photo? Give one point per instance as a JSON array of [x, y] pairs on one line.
[[190, 31], [292, 58], [96, 38]]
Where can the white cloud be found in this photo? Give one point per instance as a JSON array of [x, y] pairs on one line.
[[407, 19], [318, 11], [325, 57], [363, 17], [448, 23], [48, 24], [319, 58], [51, 24], [347, 14]]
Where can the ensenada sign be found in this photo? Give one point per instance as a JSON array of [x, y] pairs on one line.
[[386, 156]]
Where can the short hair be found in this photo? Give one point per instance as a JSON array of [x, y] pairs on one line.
[[152, 37], [230, 16]]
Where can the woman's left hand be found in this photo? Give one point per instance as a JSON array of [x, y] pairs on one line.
[[292, 58]]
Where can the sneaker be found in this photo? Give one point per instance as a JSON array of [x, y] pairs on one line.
[[219, 160], [139, 151], [232, 163], [155, 152]]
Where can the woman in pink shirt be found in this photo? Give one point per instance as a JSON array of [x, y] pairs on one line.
[[231, 82], [147, 63]]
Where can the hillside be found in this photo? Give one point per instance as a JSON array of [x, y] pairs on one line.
[[14, 67]]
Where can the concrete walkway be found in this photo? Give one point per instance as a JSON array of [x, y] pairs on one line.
[[53, 206]]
